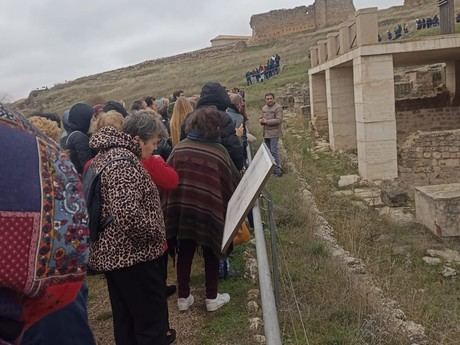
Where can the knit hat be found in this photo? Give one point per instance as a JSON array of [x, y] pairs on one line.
[[80, 117], [213, 93], [114, 105]]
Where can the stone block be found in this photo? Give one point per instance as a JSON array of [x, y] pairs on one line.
[[374, 131], [438, 208], [348, 180]]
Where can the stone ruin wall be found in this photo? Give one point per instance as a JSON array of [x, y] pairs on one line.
[[430, 158], [413, 3], [426, 119], [418, 2], [281, 22]]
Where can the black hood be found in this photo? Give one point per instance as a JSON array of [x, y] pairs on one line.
[[80, 117], [214, 94]]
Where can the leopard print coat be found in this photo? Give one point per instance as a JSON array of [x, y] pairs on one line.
[[132, 199]]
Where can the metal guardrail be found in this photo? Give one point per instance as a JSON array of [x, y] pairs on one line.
[[269, 308]]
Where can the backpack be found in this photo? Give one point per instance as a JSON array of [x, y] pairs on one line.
[[92, 193]]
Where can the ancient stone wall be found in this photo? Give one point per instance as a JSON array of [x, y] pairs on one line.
[[428, 119], [428, 158], [281, 22], [417, 2]]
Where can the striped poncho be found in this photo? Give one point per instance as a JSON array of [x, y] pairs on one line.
[[207, 178]]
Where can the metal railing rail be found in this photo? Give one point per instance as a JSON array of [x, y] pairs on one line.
[[269, 310]]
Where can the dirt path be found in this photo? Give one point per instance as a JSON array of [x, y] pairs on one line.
[[188, 325]]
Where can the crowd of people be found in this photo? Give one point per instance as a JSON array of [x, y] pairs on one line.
[[397, 33], [427, 23], [264, 72], [127, 190]]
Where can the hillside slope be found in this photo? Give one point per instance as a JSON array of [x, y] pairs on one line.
[[191, 70]]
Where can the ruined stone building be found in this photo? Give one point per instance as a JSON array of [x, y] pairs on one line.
[[417, 2], [321, 14]]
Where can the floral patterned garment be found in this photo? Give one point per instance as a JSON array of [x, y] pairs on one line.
[[43, 219]]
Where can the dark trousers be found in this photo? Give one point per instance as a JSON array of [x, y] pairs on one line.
[[68, 326], [272, 144], [186, 251], [139, 306]]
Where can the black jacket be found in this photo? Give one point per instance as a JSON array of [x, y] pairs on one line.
[[77, 142]]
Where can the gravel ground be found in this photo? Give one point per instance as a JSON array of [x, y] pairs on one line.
[[188, 324]]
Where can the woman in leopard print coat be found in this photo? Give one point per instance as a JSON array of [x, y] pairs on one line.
[[130, 249]]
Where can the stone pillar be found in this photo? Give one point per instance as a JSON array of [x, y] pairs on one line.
[[322, 51], [332, 45], [344, 38], [447, 16], [453, 81], [375, 117], [341, 108], [314, 56], [367, 27], [318, 103]]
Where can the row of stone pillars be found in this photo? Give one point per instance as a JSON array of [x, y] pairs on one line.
[[359, 105]]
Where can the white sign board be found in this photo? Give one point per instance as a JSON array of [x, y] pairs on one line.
[[246, 193]]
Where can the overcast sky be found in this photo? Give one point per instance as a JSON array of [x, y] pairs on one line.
[[44, 42]]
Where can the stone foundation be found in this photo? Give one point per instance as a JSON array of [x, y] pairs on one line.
[[438, 208], [431, 119], [428, 158]]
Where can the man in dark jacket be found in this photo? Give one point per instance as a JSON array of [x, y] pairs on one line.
[[77, 141], [214, 94]]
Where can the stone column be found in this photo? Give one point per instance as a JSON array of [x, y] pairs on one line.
[[344, 38], [453, 81], [375, 117], [332, 45], [341, 108], [322, 51], [367, 27], [314, 56], [447, 16], [318, 103]]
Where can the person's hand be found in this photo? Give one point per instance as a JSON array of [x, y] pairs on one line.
[[239, 131], [262, 121]]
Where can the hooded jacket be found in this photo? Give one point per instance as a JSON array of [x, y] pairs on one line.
[[137, 233], [213, 94], [77, 125]]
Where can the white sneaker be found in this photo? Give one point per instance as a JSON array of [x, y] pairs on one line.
[[216, 303], [185, 303]]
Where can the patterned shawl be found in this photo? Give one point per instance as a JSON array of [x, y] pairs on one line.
[[43, 221], [196, 209]]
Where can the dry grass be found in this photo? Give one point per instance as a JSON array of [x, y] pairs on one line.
[[393, 253]]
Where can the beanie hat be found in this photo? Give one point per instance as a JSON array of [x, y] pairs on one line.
[[213, 93], [114, 105], [80, 117]]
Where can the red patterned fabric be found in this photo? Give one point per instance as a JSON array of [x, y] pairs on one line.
[[18, 255]]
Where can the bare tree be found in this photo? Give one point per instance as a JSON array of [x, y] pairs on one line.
[[5, 97]]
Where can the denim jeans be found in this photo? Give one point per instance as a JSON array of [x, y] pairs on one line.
[[272, 144], [68, 326]]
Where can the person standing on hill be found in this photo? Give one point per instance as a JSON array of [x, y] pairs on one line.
[[271, 121]]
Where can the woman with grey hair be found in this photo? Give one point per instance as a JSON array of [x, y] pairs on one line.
[[129, 250]]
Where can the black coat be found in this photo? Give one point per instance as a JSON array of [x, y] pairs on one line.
[[77, 143]]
